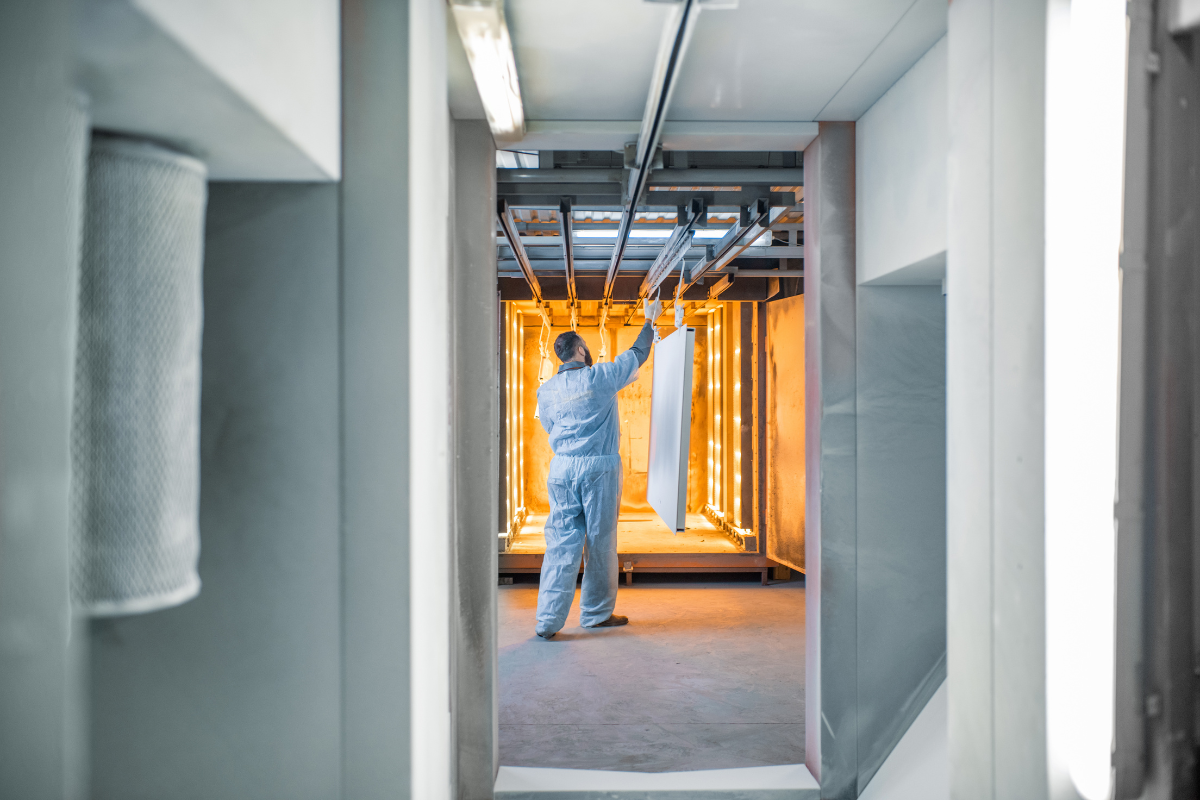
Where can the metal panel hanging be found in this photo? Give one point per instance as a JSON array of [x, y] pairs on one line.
[[670, 427]]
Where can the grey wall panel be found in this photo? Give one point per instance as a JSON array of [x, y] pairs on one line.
[[901, 512], [831, 724], [785, 479], [37, 266], [237, 694], [476, 430], [375, 391]]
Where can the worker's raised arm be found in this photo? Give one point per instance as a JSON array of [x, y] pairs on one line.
[[645, 340], [623, 369], [641, 346]]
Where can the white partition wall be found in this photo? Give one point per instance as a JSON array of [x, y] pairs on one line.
[[995, 513]]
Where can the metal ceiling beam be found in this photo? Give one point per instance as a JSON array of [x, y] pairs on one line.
[[514, 241], [547, 196], [667, 68], [764, 176], [564, 227]]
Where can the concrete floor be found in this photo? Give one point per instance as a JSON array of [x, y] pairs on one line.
[[707, 675]]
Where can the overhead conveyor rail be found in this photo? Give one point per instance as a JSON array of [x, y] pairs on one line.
[[504, 215], [667, 68], [675, 249], [565, 233], [556, 212]]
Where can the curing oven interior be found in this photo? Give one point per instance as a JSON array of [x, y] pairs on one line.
[[743, 295]]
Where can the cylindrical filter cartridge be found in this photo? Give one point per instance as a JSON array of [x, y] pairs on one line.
[[136, 424]]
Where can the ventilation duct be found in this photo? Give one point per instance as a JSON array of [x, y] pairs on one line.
[[135, 429]]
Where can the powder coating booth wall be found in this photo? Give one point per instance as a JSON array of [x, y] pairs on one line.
[[634, 405]]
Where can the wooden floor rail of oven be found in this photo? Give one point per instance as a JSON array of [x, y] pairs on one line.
[[512, 563]]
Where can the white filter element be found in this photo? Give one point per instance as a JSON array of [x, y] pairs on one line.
[[135, 430]]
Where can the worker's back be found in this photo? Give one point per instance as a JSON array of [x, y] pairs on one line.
[[578, 406]]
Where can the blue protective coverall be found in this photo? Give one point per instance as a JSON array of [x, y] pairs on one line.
[[578, 408]]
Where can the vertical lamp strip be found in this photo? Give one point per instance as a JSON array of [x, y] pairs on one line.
[[521, 420], [755, 442], [514, 450], [736, 405], [508, 505], [708, 334], [718, 424], [513, 433]]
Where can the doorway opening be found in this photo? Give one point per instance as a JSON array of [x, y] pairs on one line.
[[709, 672]]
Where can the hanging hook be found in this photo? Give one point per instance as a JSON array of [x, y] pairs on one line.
[[603, 333], [679, 311]]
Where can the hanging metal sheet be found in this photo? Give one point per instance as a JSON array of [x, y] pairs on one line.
[[670, 427]]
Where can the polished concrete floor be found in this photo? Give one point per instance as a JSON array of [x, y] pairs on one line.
[[638, 533], [706, 675]]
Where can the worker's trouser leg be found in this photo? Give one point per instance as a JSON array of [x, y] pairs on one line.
[[585, 498]]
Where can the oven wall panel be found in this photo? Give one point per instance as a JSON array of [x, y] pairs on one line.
[[634, 404], [785, 466]]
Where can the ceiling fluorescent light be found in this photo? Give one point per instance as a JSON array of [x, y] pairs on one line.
[[484, 35]]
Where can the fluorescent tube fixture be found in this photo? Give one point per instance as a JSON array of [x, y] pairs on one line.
[[484, 35], [1085, 114]]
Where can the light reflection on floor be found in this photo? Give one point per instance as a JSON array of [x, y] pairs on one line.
[[639, 533]]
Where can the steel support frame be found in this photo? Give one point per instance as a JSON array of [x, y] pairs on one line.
[[607, 197], [724, 251], [717, 176]]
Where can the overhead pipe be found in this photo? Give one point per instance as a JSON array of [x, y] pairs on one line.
[[666, 73], [504, 214]]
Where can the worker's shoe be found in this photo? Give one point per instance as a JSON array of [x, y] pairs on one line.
[[612, 622], [547, 636]]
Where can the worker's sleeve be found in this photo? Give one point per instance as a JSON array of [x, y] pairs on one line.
[[641, 346], [542, 418], [613, 376]]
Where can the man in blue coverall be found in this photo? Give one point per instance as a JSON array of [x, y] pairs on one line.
[[578, 408]]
